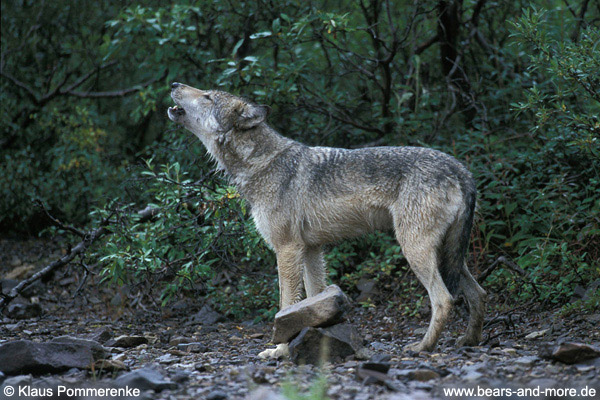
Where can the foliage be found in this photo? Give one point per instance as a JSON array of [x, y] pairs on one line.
[[507, 88], [197, 238]]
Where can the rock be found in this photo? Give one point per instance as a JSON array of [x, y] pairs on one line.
[[101, 335], [179, 340], [264, 393], [110, 365], [146, 378], [570, 353], [379, 363], [206, 316], [591, 290], [7, 284], [61, 354], [369, 376], [95, 347], [181, 376], [537, 334], [127, 341], [423, 375], [24, 311], [21, 272], [416, 395], [368, 289], [192, 347], [316, 345], [167, 359], [216, 394], [526, 360], [324, 309]]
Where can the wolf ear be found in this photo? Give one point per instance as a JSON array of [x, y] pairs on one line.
[[250, 115]]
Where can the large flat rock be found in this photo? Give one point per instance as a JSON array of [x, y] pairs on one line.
[[61, 354], [326, 308]]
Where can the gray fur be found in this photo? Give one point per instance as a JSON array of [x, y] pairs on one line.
[[304, 197]]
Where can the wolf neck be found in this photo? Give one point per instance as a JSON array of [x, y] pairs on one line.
[[244, 154]]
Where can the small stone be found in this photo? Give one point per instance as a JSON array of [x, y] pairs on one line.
[[192, 347], [472, 376], [167, 359], [110, 365], [206, 316], [570, 353], [201, 367], [181, 376], [216, 395], [585, 368], [265, 393], [145, 379], [101, 335], [21, 272], [179, 340], [423, 375], [420, 331], [258, 335], [367, 288], [510, 351], [127, 341], [526, 360], [379, 363], [24, 311], [537, 334]]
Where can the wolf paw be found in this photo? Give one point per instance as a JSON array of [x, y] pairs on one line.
[[282, 350], [414, 347], [467, 341]]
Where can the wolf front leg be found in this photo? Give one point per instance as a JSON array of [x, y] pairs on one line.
[[290, 269]]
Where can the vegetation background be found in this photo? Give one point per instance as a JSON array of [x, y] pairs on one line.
[[511, 88]]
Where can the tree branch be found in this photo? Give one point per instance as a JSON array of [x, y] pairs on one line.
[[89, 238], [116, 93]]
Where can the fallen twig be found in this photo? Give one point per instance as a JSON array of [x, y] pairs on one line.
[[80, 249]]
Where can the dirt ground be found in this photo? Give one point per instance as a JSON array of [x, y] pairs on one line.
[[224, 364]]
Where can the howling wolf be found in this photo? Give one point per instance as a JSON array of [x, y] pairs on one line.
[[303, 197]]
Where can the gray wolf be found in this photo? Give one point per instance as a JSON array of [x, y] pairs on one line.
[[303, 197]]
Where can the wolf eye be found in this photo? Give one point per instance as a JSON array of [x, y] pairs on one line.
[[207, 97]]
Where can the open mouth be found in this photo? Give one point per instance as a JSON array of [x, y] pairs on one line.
[[175, 112]]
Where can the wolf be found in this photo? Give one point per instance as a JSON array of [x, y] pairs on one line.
[[304, 197]]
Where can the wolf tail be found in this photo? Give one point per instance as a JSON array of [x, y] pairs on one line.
[[453, 250]]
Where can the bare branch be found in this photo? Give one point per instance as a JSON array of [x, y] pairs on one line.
[[59, 224], [116, 93], [89, 238], [87, 76], [22, 85], [425, 45]]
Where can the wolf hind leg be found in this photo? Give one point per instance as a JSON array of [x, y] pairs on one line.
[[314, 271], [476, 298], [421, 254]]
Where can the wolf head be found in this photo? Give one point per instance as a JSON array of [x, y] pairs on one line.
[[211, 114], [232, 129]]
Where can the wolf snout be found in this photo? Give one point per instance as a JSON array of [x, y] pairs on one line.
[[175, 85]]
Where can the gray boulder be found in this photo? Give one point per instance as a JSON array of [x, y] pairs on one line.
[[326, 308], [146, 378], [331, 344], [60, 354]]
